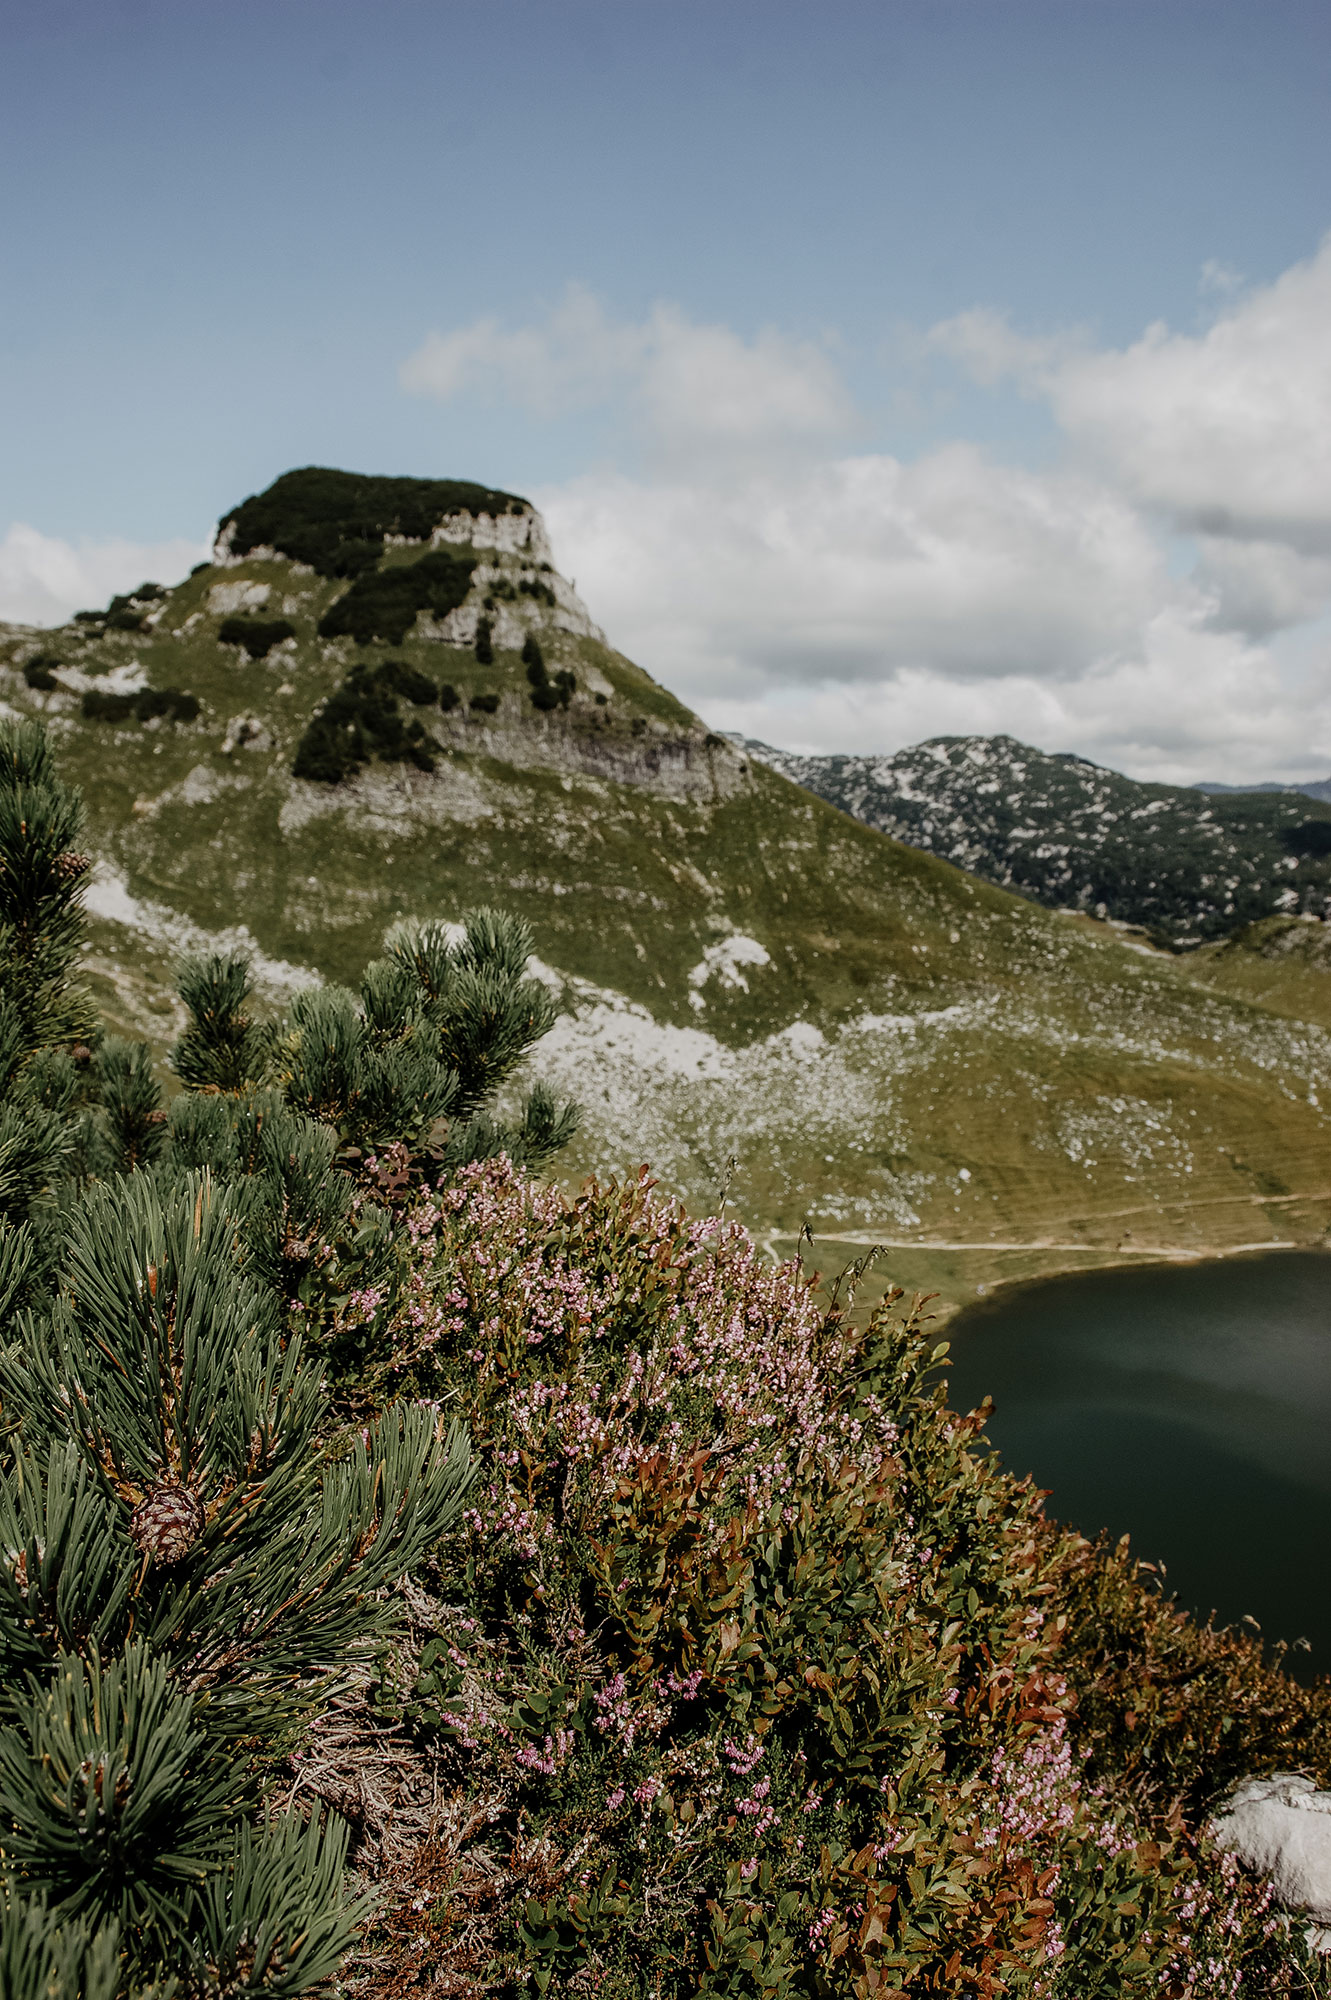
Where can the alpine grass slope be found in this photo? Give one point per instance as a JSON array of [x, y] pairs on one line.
[[403, 708]]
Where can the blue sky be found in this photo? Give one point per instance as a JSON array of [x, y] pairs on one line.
[[906, 234]]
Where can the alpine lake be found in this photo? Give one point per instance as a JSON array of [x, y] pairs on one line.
[[1188, 1406]]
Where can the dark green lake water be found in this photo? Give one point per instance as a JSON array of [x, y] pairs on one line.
[[1188, 1406]]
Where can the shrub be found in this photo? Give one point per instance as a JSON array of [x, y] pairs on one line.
[[336, 521], [361, 720], [546, 694], [383, 604], [448, 697], [127, 614], [257, 635], [762, 1670], [532, 587], [37, 671], [484, 704], [485, 642], [144, 705], [408, 682]]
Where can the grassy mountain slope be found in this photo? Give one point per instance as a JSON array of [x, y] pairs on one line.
[[1177, 862], [892, 1048]]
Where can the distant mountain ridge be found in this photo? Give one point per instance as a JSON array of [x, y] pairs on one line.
[[1315, 788], [1179, 862]]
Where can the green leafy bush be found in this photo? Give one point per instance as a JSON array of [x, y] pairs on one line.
[[485, 651], [383, 604], [257, 635], [37, 671], [336, 521], [484, 704], [448, 697]]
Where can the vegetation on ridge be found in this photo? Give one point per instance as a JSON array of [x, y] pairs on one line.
[[335, 522]]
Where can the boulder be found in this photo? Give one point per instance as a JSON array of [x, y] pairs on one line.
[[1280, 1827]]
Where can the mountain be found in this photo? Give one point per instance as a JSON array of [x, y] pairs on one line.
[[1168, 859], [1316, 788], [890, 1047]]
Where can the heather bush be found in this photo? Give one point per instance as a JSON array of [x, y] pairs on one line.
[[748, 1672]]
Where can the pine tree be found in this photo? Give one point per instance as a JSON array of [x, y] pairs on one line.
[[191, 1549], [185, 1564], [438, 1027]]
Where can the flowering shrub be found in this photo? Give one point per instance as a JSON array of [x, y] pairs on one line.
[[749, 1674]]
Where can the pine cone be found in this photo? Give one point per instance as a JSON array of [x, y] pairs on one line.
[[168, 1523], [69, 867]]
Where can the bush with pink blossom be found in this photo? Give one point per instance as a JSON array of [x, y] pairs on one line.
[[750, 1673]]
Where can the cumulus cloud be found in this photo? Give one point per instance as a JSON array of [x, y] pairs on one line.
[[867, 604], [685, 387], [864, 566], [1227, 432], [44, 579]]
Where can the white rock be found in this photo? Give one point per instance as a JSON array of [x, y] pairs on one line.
[[723, 961], [1280, 1827], [225, 599], [516, 534]]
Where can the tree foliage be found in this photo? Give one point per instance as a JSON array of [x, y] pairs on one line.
[[194, 1553]]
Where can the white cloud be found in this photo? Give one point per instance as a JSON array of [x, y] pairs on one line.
[[685, 387], [867, 604], [1227, 432], [861, 568], [43, 579]]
